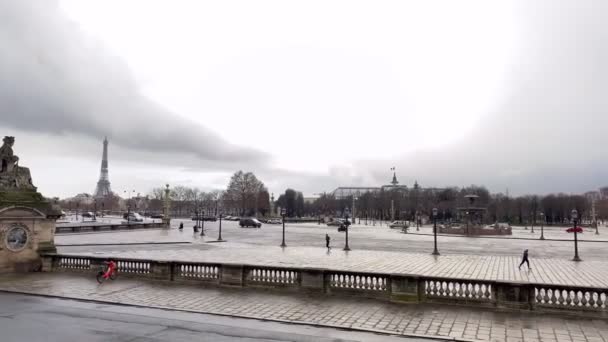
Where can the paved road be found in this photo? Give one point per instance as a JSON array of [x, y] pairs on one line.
[[32, 319], [361, 238]]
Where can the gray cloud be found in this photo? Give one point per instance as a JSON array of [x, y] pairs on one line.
[[547, 134], [550, 132], [55, 79]]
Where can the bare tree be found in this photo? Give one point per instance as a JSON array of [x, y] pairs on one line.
[[243, 189]]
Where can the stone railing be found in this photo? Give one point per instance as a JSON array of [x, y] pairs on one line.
[[60, 229], [394, 287]]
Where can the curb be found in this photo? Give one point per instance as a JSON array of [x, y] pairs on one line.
[[377, 331], [506, 238], [122, 244], [106, 231]]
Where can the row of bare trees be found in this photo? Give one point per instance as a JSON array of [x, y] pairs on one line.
[[405, 204], [244, 195]]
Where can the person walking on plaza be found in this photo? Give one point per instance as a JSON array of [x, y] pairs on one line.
[[525, 259], [181, 226], [327, 239]]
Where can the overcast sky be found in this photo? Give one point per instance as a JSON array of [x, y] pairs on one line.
[[307, 94]]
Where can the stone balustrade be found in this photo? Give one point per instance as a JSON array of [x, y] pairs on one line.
[[393, 287]]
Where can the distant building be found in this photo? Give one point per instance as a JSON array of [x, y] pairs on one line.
[[349, 191], [310, 200]]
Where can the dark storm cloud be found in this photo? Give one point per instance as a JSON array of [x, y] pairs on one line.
[[55, 79]]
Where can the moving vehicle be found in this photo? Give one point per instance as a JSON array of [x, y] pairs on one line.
[[571, 230], [250, 222], [88, 214], [400, 224], [133, 217], [157, 216], [336, 223]]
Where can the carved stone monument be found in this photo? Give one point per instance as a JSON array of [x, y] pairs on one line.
[[27, 219], [167, 208]]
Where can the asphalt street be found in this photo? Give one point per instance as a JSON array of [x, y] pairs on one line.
[[33, 319], [360, 237]]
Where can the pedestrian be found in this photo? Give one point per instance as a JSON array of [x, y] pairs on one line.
[[525, 259], [181, 226], [327, 239]]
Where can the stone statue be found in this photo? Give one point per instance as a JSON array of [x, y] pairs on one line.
[[8, 159], [13, 176]]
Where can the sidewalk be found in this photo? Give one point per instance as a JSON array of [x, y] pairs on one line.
[[355, 313], [499, 268]]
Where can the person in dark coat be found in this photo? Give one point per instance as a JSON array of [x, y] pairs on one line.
[[525, 259], [181, 225], [327, 239]]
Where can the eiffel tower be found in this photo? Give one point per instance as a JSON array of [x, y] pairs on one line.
[[103, 185]]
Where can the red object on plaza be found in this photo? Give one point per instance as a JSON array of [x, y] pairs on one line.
[[571, 230]]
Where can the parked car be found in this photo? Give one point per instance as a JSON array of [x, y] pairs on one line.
[[274, 221], [250, 222], [134, 217], [157, 216], [400, 224], [336, 223], [87, 214], [571, 230], [342, 228]]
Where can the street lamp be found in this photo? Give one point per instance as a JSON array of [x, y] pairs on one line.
[[202, 221], [347, 224], [354, 199], [283, 215], [95, 212], [219, 237], [542, 225], [532, 231], [128, 214], [574, 217], [435, 251]]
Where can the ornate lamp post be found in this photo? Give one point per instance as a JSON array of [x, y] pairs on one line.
[[347, 224], [283, 215], [542, 225], [532, 231], [574, 218], [202, 221], [95, 211], [128, 214], [435, 251], [219, 237]]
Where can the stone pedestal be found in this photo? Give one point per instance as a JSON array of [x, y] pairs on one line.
[[25, 233], [27, 219]]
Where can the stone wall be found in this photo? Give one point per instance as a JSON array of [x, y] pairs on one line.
[[25, 233], [474, 231]]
